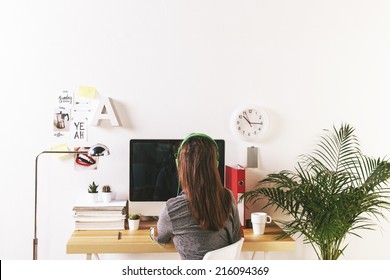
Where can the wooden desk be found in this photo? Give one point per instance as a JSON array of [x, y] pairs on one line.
[[138, 241]]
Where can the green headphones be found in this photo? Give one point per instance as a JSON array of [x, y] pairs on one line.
[[196, 135]]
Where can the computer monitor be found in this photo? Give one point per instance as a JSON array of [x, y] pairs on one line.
[[153, 173]]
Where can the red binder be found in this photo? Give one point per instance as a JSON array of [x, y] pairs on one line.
[[235, 181]]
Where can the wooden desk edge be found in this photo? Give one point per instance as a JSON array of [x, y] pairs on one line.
[[107, 242]]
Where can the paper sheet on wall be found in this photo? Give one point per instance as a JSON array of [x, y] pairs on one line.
[[88, 92], [62, 147], [83, 161], [65, 99], [82, 108], [79, 129], [61, 122]]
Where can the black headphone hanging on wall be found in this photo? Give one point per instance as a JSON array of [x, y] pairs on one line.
[[184, 141]]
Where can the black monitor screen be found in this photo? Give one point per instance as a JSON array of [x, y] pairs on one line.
[[153, 173]]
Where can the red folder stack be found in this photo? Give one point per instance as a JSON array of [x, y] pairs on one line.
[[235, 181]]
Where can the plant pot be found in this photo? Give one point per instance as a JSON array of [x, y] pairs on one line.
[[133, 224], [93, 197], [106, 196]]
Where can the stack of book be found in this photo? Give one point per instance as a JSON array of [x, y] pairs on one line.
[[100, 216]]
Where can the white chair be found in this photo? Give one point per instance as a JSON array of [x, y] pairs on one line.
[[230, 252]]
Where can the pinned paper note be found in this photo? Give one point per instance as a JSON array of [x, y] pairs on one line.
[[79, 130], [88, 92], [63, 148], [83, 161], [65, 99], [61, 118]]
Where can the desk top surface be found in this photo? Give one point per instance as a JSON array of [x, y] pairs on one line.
[[138, 241]]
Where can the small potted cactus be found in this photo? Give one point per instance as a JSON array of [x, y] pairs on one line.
[[106, 193], [93, 192], [134, 219]]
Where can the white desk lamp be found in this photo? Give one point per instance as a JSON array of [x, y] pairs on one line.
[[97, 150]]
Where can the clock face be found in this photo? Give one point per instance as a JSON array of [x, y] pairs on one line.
[[250, 124]]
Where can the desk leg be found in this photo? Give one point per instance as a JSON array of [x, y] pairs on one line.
[[89, 256], [265, 255]]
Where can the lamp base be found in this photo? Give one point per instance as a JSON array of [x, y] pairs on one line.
[[35, 248]]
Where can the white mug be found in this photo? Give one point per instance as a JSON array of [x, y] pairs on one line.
[[259, 219]]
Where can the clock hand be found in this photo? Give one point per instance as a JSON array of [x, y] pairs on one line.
[[246, 118]]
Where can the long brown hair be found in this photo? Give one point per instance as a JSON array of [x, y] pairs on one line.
[[209, 202]]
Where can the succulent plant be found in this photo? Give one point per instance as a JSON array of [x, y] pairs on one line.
[[134, 216], [106, 189], [92, 188]]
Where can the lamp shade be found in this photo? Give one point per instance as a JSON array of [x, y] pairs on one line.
[[98, 150]]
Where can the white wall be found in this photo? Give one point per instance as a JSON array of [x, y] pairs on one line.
[[174, 67]]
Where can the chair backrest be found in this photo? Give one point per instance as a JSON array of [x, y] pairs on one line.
[[230, 252]]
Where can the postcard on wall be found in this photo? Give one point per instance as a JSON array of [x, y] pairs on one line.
[[61, 122], [83, 161], [82, 104], [82, 108], [65, 99], [79, 129]]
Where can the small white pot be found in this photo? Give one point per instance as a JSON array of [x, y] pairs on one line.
[[133, 224], [106, 196], [93, 197]]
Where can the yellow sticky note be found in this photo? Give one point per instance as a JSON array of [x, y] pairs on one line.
[[62, 147], [88, 92]]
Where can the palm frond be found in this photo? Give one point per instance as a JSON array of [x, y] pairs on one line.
[[329, 194]]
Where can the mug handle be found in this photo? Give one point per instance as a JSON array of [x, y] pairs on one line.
[[269, 219]]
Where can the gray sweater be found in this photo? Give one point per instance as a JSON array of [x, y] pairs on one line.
[[176, 222]]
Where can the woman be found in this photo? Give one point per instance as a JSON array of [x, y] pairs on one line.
[[204, 216]]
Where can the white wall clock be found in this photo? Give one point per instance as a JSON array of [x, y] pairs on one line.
[[250, 123]]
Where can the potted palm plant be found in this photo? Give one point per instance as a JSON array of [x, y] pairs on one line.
[[330, 194]]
